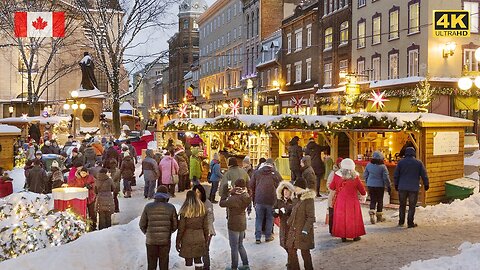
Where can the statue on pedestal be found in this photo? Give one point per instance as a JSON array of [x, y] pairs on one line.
[[88, 77]]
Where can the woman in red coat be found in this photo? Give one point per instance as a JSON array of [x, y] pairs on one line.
[[84, 180], [347, 214]]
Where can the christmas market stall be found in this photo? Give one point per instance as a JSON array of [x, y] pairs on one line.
[[438, 140], [8, 137], [46, 124]]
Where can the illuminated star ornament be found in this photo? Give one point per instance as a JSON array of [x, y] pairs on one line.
[[378, 99], [235, 107], [182, 110], [297, 103]]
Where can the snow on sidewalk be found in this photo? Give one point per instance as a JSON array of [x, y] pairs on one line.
[[468, 259], [459, 210]]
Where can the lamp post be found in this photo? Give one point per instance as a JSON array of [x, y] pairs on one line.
[[74, 104], [10, 109]]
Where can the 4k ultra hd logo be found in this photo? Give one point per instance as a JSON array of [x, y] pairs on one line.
[[451, 23]]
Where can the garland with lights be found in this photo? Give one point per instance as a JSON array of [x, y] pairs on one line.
[[409, 92], [288, 122], [232, 123], [182, 125], [30, 225], [372, 122]]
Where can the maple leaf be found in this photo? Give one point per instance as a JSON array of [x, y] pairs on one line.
[[39, 24]]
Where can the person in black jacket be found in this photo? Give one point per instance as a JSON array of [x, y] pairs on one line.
[[314, 150], [158, 222], [37, 178], [295, 154]]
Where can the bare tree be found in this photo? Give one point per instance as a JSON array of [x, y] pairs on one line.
[[115, 27], [39, 62]]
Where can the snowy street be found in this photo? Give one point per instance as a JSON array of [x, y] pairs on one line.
[[384, 247]]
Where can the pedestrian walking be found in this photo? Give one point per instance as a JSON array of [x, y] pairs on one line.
[[193, 231], [263, 186], [215, 176], [331, 192], [308, 173], [158, 222], [347, 214], [37, 178], [127, 171], [116, 176], [236, 203], [104, 203], [295, 154], [83, 179], [314, 150], [300, 227], [90, 156], [377, 180], [233, 173], [169, 170], [195, 167], [283, 208], [407, 183], [182, 160], [202, 195], [150, 173]]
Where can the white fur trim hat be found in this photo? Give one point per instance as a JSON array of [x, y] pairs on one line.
[[347, 164]]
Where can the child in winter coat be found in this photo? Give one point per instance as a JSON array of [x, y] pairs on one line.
[[193, 230], [105, 205], [300, 226], [377, 180], [283, 208], [236, 204]]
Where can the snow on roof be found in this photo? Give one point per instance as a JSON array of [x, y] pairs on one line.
[[9, 130], [42, 120], [248, 119], [109, 115], [331, 90], [402, 118], [126, 106], [95, 93], [383, 83]]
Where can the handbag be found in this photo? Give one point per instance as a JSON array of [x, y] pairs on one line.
[[174, 176]]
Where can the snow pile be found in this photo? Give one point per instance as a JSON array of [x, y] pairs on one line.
[[28, 224], [473, 160], [459, 210], [466, 260], [18, 176]]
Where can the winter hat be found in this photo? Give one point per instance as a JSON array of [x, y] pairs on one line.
[[347, 164], [75, 150], [48, 143], [178, 143], [162, 193], [338, 161], [232, 162], [240, 183], [54, 164], [301, 183], [377, 155], [38, 152], [270, 161], [216, 156], [246, 160], [126, 154]]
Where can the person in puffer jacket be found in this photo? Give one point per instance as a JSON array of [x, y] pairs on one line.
[[377, 180], [151, 172], [158, 222], [105, 205], [308, 173], [283, 208]]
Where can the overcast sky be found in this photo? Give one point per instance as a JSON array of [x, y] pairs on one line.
[[157, 41]]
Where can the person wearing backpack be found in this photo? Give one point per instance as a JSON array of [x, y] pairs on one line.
[[215, 176]]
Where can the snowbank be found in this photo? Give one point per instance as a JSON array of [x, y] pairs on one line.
[[466, 260], [459, 210], [473, 160], [18, 176]]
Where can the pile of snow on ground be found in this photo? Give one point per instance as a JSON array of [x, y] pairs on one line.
[[473, 160], [468, 259], [459, 210], [28, 223]]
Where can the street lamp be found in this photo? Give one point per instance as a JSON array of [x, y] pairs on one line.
[[66, 106], [74, 106], [10, 110], [74, 94]]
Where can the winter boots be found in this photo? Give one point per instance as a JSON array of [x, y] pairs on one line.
[[372, 216], [380, 217]]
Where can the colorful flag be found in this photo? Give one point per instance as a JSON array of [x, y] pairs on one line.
[[39, 24]]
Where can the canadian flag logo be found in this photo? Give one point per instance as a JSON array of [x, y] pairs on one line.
[[39, 24]]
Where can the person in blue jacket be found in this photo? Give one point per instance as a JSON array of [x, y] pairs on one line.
[[377, 180], [215, 176], [407, 183]]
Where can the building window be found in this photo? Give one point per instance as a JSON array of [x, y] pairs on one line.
[[248, 26], [298, 40], [327, 71], [328, 38], [361, 42], [185, 24], [234, 33], [413, 62], [268, 77], [344, 33], [289, 43], [469, 61], [361, 70], [362, 3], [393, 65], [195, 25], [376, 28], [298, 72], [289, 74], [309, 35], [414, 17], [343, 68], [309, 69], [240, 31], [393, 24], [376, 69], [473, 8]]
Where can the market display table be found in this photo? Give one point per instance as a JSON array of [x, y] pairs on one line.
[[71, 197]]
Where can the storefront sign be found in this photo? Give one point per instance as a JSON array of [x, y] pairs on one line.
[[451, 23], [446, 143], [271, 100]]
